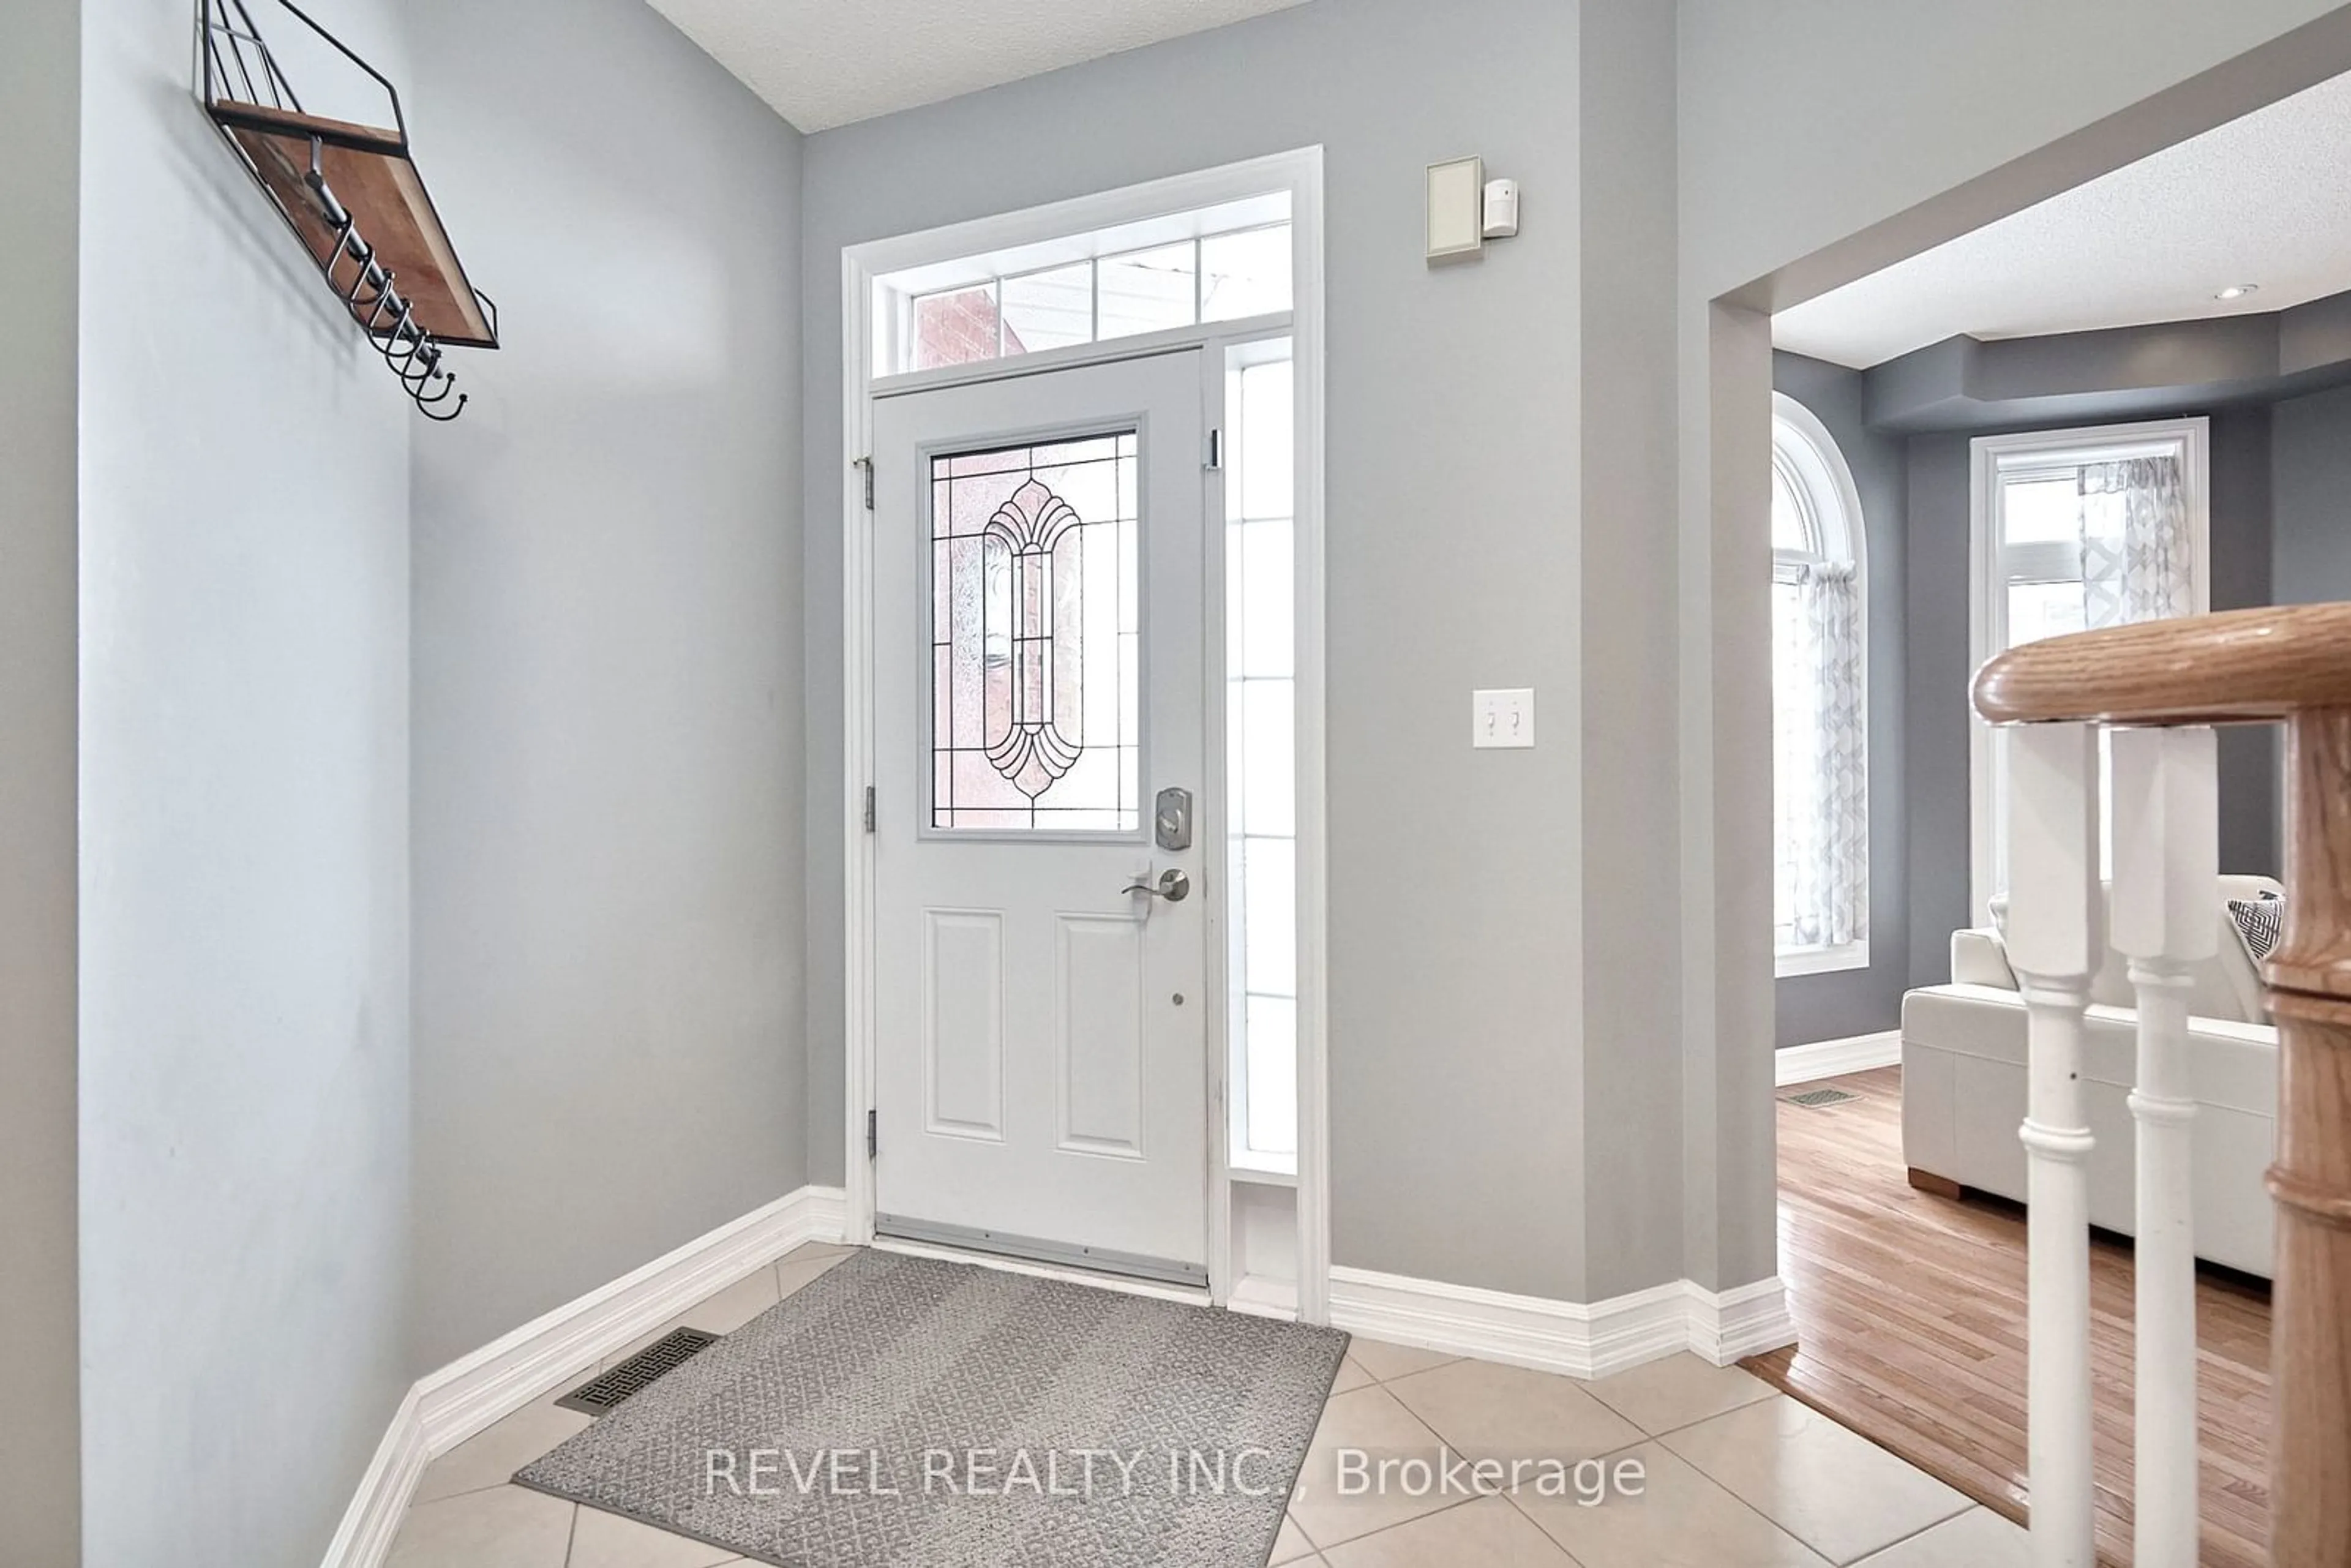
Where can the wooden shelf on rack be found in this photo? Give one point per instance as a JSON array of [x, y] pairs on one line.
[[369, 170]]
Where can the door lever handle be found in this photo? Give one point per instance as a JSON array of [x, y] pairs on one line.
[[1173, 885]]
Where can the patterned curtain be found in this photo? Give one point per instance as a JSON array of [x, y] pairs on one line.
[[1833, 867], [2134, 541]]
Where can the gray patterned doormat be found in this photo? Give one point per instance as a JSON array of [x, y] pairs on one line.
[[899, 1412]]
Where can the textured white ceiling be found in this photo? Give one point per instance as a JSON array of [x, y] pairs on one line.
[[2265, 200], [822, 63]]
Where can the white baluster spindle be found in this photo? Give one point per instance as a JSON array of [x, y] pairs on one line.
[[2166, 861], [2054, 939]]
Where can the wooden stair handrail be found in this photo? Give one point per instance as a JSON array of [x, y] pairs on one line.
[[2292, 665], [2244, 667]]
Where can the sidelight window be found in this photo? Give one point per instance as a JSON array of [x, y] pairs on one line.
[[1260, 667]]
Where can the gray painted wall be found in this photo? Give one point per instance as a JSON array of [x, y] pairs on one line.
[[1456, 1050], [1863, 1001], [2147, 372], [40, 124], [2312, 476], [1631, 1079], [243, 877], [1935, 715], [608, 767], [2243, 528]]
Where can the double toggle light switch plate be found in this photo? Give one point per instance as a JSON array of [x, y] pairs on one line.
[[1503, 718]]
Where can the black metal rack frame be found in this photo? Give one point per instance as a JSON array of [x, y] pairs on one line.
[[237, 56]]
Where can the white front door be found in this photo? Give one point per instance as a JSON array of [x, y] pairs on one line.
[[1040, 920]]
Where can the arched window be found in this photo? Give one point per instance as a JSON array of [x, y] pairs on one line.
[[1820, 700]]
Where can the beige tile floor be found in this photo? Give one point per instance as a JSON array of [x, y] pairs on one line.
[[1733, 1476]]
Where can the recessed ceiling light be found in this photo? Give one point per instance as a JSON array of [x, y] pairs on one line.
[[2238, 291]]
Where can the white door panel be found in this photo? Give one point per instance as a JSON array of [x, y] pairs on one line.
[[1040, 620], [963, 1023]]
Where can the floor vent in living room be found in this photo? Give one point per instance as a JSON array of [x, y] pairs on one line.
[[634, 1375], [1814, 1099]]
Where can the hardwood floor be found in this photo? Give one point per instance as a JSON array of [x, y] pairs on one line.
[[1911, 1315]]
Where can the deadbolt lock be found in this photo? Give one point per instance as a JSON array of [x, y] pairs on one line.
[[1171, 820]]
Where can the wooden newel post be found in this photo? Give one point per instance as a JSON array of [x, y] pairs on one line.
[[2309, 978]]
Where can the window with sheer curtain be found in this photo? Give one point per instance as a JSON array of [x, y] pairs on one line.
[[2076, 529], [1820, 719]]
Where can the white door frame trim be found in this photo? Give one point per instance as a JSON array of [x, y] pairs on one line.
[[1299, 173]]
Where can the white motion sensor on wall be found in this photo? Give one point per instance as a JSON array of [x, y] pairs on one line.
[[1502, 208]]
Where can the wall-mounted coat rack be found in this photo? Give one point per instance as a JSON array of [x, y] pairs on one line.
[[350, 193]]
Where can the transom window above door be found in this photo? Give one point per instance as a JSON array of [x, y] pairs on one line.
[[1036, 716], [1219, 264]]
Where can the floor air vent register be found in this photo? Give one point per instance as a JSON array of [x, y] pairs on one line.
[[640, 1371], [1819, 1099], [345, 184]]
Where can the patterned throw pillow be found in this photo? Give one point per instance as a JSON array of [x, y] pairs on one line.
[[2258, 922]]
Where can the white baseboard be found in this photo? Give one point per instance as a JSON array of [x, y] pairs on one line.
[[1836, 1058], [1580, 1340], [364, 1538], [470, 1394], [1260, 1297], [478, 1390], [1729, 1327]]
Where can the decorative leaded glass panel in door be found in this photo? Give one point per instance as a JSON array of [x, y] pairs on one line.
[[1036, 720]]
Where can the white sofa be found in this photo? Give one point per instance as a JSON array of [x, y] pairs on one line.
[[1963, 1086]]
